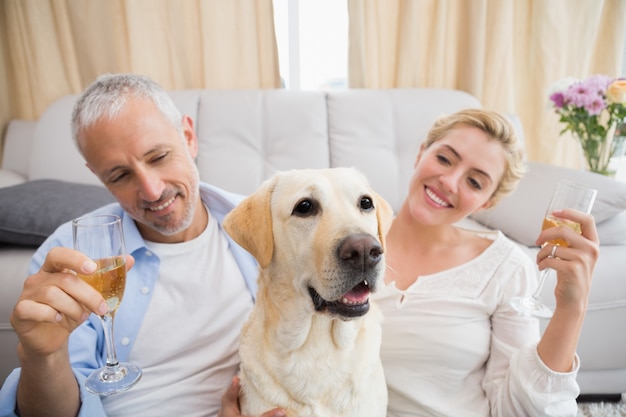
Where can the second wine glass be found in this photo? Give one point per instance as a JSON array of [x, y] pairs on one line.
[[566, 195], [101, 239]]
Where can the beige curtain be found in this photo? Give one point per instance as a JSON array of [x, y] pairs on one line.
[[55, 47], [505, 52]]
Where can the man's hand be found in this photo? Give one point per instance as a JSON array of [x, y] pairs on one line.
[[55, 301], [230, 404]]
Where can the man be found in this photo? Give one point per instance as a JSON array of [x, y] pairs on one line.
[[188, 292]]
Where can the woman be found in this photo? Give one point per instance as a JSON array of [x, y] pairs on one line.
[[452, 344]]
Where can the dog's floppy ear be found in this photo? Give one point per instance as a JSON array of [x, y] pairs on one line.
[[250, 224], [384, 215]]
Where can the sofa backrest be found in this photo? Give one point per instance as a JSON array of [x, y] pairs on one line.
[[380, 131], [246, 135]]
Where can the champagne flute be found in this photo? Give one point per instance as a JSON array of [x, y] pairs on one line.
[[100, 237], [566, 195]]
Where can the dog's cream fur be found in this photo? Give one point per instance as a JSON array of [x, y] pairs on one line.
[[297, 350]]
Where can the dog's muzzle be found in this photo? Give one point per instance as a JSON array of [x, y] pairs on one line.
[[358, 256]]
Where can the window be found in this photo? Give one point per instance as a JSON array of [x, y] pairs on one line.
[[312, 37], [623, 72]]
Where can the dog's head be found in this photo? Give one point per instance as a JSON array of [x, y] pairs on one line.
[[319, 234]]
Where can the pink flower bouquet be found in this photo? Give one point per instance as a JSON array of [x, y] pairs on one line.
[[591, 109]]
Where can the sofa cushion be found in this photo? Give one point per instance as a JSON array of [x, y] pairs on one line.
[[537, 186], [9, 178], [245, 136], [613, 231], [31, 211]]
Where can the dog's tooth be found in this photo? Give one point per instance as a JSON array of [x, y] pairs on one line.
[[365, 282]]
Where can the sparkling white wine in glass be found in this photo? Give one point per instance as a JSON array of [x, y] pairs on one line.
[[101, 238], [566, 195], [109, 279], [551, 221]]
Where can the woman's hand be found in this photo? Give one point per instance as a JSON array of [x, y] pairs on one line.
[[230, 404], [574, 264]]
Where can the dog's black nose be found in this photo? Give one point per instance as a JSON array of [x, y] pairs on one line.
[[361, 251]]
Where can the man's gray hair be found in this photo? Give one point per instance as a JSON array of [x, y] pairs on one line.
[[107, 95]]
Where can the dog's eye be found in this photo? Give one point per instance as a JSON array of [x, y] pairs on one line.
[[366, 203], [304, 208]]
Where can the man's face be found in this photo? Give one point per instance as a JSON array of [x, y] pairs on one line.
[[148, 166]]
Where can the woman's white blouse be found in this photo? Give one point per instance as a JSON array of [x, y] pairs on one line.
[[452, 346]]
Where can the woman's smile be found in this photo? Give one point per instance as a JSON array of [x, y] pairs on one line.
[[433, 197]]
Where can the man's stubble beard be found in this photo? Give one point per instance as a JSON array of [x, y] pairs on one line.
[[169, 229]]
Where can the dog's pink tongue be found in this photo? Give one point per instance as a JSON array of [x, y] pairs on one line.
[[358, 294]]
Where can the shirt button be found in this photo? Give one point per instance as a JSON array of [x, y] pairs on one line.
[[145, 290], [148, 253], [125, 341]]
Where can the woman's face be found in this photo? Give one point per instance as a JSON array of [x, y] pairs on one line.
[[455, 176]]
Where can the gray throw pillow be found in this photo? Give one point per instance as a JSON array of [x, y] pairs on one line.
[[31, 211]]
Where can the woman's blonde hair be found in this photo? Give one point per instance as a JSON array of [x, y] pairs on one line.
[[499, 128]]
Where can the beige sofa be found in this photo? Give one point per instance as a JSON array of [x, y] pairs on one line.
[[245, 135]]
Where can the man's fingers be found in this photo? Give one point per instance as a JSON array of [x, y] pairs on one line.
[[62, 259], [54, 298], [65, 292], [130, 262], [277, 412], [230, 403], [232, 393], [29, 310]]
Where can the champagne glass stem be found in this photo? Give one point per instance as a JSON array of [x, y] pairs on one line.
[[107, 323], [532, 305], [542, 279]]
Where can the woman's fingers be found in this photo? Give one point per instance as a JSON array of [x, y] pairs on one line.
[[586, 221], [573, 258]]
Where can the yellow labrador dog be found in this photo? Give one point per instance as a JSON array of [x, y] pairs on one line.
[[311, 344]]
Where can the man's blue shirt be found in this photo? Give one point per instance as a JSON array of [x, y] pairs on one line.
[[86, 344]]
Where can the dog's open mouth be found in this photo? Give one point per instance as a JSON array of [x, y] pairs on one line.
[[354, 303]]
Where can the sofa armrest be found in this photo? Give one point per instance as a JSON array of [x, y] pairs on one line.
[[17, 146], [9, 178]]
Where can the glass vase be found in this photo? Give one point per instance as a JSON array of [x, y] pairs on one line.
[[603, 153]]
